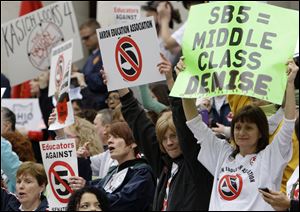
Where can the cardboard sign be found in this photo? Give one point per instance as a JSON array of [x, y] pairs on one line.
[[125, 13], [237, 48], [128, 59], [61, 58], [26, 42], [60, 162], [28, 113], [64, 109]]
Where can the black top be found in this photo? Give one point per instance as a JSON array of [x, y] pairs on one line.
[[190, 188]]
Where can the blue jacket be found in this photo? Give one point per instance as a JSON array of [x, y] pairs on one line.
[[9, 202], [136, 192], [95, 94], [9, 163]]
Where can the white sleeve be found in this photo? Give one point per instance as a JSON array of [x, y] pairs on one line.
[[178, 34], [282, 142], [280, 151], [211, 146], [96, 161]]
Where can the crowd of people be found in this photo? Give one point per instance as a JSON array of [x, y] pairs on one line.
[[162, 153]]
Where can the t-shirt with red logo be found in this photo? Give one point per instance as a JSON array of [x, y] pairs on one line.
[[292, 185], [236, 180]]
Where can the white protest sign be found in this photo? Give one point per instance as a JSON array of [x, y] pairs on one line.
[[61, 56], [64, 110], [26, 42], [130, 54], [60, 162], [2, 91], [27, 111], [126, 13]]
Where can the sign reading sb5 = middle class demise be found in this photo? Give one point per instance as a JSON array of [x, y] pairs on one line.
[[237, 48], [130, 54]]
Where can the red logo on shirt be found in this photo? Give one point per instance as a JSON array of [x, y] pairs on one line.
[[230, 187], [252, 160], [296, 193]]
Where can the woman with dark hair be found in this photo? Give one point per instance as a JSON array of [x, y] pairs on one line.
[[241, 170], [88, 199], [131, 184]]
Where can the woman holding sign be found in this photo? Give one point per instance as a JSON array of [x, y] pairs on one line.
[[130, 185], [241, 170]]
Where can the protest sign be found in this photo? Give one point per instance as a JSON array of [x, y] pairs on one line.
[[130, 53], [64, 109], [26, 42], [60, 162], [237, 48], [28, 113], [126, 13], [61, 58]]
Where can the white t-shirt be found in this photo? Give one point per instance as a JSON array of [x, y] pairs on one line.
[[236, 181], [178, 35]]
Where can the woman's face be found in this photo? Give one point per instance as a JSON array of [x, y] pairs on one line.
[[171, 144], [118, 149], [113, 100], [27, 189], [246, 136], [89, 202]]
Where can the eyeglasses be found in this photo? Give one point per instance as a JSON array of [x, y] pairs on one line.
[[171, 137], [113, 98], [84, 38]]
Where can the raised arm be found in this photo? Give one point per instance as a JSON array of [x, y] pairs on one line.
[[189, 105], [164, 16], [142, 128], [290, 106], [149, 102]]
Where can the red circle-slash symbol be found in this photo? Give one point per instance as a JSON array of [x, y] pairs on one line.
[[128, 59], [230, 186], [62, 196]]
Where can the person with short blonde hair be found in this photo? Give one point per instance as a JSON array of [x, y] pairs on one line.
[[164, 122]]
